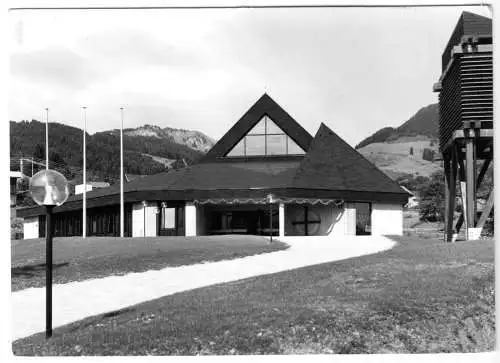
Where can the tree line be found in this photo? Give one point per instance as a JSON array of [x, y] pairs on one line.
[[432, 193]]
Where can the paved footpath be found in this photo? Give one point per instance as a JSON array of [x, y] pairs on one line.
[[77, 300]]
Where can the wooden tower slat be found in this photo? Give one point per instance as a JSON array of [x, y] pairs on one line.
[[466, 120]]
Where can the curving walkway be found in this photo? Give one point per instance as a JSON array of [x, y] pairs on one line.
[[77, 300]]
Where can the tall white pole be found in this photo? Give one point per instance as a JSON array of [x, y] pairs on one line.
[[47, 139], [122, 219], [84, 217]]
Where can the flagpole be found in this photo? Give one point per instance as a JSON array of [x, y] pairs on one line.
[[121, 178], [47, 139], [84, 217]]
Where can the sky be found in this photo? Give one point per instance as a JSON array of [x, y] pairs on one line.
[[356, 70]]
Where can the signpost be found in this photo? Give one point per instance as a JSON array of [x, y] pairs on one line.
[[144, 206], [270, 200], [49, 188]]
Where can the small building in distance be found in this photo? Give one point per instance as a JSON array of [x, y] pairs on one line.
[[413, 199], [14, 177], [79, 188], [266, 175]]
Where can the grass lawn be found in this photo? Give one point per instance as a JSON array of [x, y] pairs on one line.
[[77, 259], [421, 296]]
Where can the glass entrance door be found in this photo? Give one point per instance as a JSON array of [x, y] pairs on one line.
[[171, 220]]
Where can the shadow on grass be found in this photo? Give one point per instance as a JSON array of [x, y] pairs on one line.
[[100, 318], [32, 270]]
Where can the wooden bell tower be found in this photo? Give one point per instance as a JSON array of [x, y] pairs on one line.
[[466, 121]]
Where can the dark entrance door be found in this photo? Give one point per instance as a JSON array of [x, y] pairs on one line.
[[363, 218], [171, 220], [41, 225]]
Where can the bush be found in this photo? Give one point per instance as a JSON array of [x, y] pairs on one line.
[[16, 228], [489, 226], [411, 182], [432, 198]]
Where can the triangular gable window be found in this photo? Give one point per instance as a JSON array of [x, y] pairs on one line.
[[266, 138]]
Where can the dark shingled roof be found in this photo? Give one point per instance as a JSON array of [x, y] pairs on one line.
[[264, 106], [333, 164], [243, 175]]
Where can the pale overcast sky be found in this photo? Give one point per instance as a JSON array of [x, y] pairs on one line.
[[357, 70]]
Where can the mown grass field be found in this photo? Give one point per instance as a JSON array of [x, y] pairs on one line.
[[421, 296], [414, 227], [78, 259], [395, 160]]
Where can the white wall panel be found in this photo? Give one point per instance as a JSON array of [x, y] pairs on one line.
[[30, 228], [387, 219], [144, 219], [350, 219], [190, 219]]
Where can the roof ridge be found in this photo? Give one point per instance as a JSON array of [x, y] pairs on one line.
[[372, 165], [265, 105], [325, 131]]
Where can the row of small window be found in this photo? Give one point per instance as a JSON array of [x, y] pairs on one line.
[[255, 145]]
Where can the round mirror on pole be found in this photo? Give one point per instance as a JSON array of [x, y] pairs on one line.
[[48, 188]]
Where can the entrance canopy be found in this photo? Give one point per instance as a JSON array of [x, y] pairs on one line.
[[226, 201]]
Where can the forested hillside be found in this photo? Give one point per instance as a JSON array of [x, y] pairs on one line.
[[27, 138], [424, 122]]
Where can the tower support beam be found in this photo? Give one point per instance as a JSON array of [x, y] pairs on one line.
[[470, 159], [463, 187], [480, 178], [450, 169], [486, 211]]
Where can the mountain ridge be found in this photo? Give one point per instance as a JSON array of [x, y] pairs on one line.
[[410, 149], [148, 154], [423, 122], [191, 138]]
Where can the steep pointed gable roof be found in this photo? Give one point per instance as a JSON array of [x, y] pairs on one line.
[[332, 164], [265, 105]]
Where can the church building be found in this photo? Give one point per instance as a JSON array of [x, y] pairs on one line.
[[266, 175]]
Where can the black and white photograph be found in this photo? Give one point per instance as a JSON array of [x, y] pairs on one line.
[[283, 178]]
